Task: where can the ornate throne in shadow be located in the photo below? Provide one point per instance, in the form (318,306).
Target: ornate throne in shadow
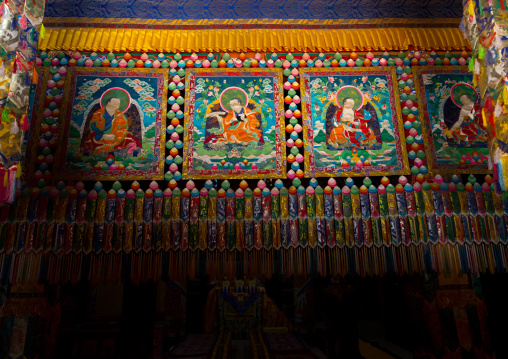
(240,311)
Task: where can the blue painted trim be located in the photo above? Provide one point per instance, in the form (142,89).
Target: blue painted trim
(254,9)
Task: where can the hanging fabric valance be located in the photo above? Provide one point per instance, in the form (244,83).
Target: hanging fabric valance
(106,35)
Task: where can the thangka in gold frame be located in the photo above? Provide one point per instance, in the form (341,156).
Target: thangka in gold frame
(454,135)
(234,124)
(352,122)
(114,124)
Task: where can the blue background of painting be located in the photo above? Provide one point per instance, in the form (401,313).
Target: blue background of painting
(116,82)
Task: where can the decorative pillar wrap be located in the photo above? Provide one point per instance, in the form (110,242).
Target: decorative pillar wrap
(20,25)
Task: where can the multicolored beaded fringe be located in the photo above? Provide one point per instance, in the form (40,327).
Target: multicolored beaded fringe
(64,220)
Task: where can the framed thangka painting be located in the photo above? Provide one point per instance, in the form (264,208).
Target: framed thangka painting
(454,134)
(352,123)
(234,124)
(115,121)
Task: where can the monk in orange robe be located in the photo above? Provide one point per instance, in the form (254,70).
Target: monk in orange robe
(109,130)
(241,125)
